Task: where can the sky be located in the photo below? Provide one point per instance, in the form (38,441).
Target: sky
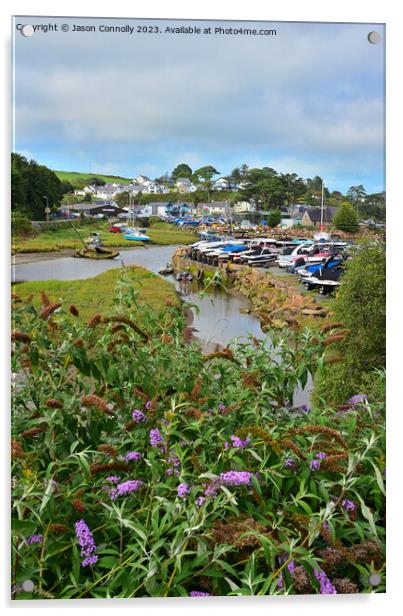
(309,100)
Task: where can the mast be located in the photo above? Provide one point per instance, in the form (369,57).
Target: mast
(321,208)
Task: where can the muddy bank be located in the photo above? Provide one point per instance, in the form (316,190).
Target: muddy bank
(276,302)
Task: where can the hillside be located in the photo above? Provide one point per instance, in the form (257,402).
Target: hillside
(78,180)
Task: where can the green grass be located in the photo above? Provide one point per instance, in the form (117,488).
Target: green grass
(65,237)
(96,294)
(79,180)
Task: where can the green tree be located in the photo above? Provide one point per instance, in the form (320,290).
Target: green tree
(205,175)
(265,187)
(33,186)
(274,218)
(181,171)
(345,218)
(356,194)
(360,305)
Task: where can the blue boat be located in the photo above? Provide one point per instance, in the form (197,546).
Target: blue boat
(136,235)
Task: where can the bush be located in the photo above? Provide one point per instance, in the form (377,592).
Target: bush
(274,218)
(189,472)
(20,224)
(345,219)
(360,305)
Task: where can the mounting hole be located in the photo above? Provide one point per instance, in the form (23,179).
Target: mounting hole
(27,30)
(374,37)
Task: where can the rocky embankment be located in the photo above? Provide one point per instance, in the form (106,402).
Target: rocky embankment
(276,301)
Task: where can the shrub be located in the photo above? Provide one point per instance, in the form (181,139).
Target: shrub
(345,218)
(274,218)
(20,224)
(143,468)
(360,305)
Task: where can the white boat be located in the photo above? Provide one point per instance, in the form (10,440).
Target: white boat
(136,234)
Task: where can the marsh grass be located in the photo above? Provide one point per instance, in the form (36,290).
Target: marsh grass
(64,237)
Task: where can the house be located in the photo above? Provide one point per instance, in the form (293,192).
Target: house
(156,208)
(219,209)
(244,207)
(87,190)
(312,216)
(142,180)
(221,184)
(106,207)
(184,185)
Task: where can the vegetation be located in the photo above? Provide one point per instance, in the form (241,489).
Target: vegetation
(90,293)
(20,224)
(346,219)
(79,180)
(64,237)
(143,468)
(34,187)
(274,218)
(360,305)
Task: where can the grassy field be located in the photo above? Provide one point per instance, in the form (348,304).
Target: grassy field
(95,294)
(78,180)
(66,238)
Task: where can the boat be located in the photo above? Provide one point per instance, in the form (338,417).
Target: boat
(166,271)
(94,249)
(135,234)
(99,252)
(184,276)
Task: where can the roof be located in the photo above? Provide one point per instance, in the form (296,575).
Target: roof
(328,213)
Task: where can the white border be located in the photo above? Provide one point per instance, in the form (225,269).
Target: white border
(388,12)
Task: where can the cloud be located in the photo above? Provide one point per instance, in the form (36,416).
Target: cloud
(314,92)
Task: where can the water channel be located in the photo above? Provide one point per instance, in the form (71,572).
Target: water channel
(219,317)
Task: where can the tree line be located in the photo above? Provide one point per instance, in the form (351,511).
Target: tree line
(33,187)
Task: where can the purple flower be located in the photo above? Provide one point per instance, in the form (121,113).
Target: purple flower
(236,478)
(200,501)
(156,438)
(238,442)
(357,399)
(126,488)
(173,461)
(348,505)
(89,561)
(314,465)
(138,416)
(221,407)
(326,587)
(34,539)
(113,479)
(199,593)
(290,463)
(325,525)
(291,567)
(87,543)
(133,456)
(212,488)
(183,490)
(304,409)
(321,455)
(148,405)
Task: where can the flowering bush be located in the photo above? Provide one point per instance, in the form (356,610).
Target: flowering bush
(213,485)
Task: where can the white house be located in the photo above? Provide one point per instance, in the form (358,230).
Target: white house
(184,185)
(244,207)
(221,184)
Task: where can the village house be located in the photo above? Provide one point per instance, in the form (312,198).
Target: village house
(220,209)
(184,185)
(243,207)
(221,184)
(103,207)
(312,216)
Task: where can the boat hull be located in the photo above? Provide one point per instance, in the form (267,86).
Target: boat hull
(100,253)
